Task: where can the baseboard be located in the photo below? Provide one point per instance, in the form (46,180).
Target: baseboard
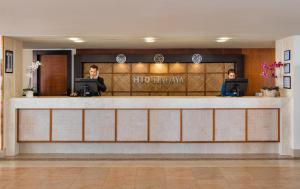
(296,153)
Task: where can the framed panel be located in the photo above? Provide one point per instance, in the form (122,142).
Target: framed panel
(165,125)
(34,125)
(263,125)
(132,125)
(230,125)
(67,125)
(99,125)
(197,125)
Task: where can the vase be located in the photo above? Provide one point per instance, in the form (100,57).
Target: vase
(269,93)
(29,94)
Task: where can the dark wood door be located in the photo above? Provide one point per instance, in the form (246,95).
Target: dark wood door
(53,77)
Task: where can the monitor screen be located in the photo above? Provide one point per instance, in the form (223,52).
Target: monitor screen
(236,87)
(86,87)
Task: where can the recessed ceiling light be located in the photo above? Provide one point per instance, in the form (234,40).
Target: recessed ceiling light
(149,39)
(78,41)
(74,38)
(222,39)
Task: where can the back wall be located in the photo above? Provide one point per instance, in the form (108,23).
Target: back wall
(253,58)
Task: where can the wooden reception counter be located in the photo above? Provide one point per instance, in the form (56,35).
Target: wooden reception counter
(144,125)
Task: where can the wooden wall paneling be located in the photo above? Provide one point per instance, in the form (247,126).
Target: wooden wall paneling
(253,60)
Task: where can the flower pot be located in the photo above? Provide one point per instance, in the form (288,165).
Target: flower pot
(29,94)
(269,93)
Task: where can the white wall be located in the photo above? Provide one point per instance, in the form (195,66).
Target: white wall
(12,81)
(1,62)
(291,110)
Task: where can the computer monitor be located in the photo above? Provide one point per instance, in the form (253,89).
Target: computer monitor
(86,87)
(236,86)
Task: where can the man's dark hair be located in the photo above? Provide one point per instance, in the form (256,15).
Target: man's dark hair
(231,71)
(94,67)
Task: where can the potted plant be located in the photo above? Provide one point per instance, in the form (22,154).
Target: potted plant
(29,73)
(269,71)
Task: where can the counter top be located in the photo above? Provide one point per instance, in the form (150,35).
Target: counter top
(147,102)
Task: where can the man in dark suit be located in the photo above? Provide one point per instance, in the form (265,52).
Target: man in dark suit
(94,74)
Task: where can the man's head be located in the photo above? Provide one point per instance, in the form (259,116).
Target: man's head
(93,71)
(231,74)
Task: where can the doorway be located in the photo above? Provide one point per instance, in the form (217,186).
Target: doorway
(54,75)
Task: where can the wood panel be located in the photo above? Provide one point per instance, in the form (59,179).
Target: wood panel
(53,75)
(253,60)
(129,79)
(37,55)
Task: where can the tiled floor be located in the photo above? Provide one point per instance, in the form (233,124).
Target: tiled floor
(206,174)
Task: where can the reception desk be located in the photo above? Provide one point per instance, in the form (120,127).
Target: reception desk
(144,125)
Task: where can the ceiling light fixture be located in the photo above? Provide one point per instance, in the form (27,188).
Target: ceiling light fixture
(222,39)
(76,39)
(149,39)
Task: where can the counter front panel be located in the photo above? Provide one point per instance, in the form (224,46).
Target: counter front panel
(148,125)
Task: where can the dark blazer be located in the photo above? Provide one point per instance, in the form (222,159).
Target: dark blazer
(101,85)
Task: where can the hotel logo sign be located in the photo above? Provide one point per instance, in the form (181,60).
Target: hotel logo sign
(162,80)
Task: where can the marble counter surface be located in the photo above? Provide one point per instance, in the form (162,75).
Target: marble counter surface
(147,102)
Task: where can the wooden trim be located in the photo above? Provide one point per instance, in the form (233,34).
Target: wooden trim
(214,126)
(148,125)
(18,125)
(181,129)
(116,125)
(178,142)
(204,79)
(148,108)
(62,141)
(83,125)
(278,124)
(50,125)
(246,124)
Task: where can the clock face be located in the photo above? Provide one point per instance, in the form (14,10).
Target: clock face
(159,58)
(121,58)
(197,58)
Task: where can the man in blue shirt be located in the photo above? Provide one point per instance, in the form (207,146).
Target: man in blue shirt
(231,75)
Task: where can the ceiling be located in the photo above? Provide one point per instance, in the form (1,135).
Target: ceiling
(124,23)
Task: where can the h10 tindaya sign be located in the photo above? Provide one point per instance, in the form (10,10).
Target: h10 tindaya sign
(167,80)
